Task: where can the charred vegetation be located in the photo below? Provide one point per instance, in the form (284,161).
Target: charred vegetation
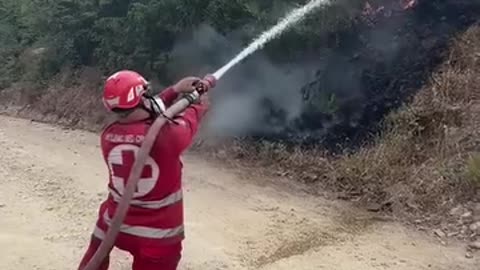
(371,69)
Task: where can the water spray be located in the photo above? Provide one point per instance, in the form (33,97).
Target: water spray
(107,244)
(288,21)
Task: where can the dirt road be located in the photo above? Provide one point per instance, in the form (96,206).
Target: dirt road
(52,180)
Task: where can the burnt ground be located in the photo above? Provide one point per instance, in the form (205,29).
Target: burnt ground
(372,69)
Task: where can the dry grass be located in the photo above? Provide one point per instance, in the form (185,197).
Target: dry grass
(425,161)
(420,161)
(72,98)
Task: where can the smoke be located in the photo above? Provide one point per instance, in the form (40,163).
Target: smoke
(244,96)
(305,98)
(336,92)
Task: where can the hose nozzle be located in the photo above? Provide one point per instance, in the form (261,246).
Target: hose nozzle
(211,80)
(202,88)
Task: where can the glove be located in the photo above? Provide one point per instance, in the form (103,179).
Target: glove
(200,87)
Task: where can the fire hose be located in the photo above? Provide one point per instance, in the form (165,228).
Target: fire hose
(108,242)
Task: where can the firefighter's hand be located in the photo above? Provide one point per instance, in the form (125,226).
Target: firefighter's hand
(186,85)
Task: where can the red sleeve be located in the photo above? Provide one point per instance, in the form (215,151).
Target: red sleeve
(168,96)
(187,128)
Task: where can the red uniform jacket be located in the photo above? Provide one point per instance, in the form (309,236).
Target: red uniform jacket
(156,211)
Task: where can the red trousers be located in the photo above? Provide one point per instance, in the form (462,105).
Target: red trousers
(144,258)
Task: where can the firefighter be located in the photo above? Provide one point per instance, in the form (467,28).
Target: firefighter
(153,229)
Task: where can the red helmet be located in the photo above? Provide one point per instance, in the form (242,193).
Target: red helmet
(124,90)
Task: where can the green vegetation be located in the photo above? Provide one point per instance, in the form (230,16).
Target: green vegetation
(473,169)
(136,34)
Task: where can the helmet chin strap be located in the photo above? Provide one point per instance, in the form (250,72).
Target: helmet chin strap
(155,107)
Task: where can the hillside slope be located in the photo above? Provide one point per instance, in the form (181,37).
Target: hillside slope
(424,166)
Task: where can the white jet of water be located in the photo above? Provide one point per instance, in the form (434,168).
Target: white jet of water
(290,19)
